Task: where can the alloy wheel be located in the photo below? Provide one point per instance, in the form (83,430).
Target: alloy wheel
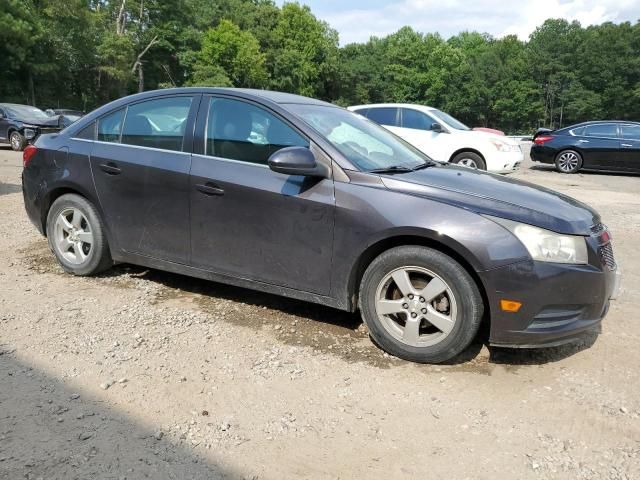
(568,162)
(15,141)
(468,162)
(73,237)
(416,306)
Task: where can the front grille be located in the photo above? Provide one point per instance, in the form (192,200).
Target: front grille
(606,255)
(49,130)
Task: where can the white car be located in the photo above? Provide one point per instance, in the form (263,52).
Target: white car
(444,138)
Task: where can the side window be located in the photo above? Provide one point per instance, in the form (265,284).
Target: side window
(88,132)
(362,111)
(242,131)
(384,116)
(602,130)
(157,123)
(109,127)
(415,119)
(630,132)
(578,132)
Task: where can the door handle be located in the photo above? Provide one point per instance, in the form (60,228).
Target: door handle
(583,141)
(210,189)
(110,168)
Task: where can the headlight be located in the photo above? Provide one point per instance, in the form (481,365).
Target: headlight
(504,146)
(29,133)
(547,246)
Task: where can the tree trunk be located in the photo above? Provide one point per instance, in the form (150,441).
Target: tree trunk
(140,78)
(32,90)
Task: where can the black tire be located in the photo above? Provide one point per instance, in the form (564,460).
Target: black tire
(98,257)
(568,161)
(17,141)
(468,300)
(470,156)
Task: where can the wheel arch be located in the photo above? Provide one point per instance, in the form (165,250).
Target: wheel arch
(467,149)
(63,189)
(407,239)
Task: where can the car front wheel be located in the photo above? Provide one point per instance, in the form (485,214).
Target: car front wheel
(76,236)
(469,159)
(420,305)
(18,142)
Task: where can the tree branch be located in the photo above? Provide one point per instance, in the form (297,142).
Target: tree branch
(138,61)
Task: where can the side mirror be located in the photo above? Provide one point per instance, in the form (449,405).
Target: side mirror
(297,161)
(436,127)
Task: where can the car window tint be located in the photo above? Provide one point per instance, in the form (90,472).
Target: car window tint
(384,116)
(630,132)
(604,130)
(88,132)
(242,131)
(578,132)
(109,127)
(157,123)
(415,119)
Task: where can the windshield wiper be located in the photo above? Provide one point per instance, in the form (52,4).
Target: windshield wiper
(427,164)
(392,169)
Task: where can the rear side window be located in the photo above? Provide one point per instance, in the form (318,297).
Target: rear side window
(362,111)
(242,131)
(578,132)
(602,130)
(415,119)
(630,132)
(384,116)
(109,127)
(157,123)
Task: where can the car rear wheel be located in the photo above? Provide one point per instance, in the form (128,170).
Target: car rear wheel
(470,159)
(420,304)
(76,236)
(18,142)
(568,161)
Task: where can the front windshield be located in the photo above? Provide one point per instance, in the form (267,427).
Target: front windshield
(24,111)
(448,120)
(365,144)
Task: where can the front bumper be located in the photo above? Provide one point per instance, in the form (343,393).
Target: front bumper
(504,162)
(559,302)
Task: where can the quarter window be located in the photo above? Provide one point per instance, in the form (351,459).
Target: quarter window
(157,123)
(416,120)
(602,130)
(242,131)
(630,132)
(384,116)
(109,127)
(88,132)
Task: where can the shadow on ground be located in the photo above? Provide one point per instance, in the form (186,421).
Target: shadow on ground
(49,430)
(7,188)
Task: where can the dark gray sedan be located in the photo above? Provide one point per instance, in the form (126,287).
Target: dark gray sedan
(298,197)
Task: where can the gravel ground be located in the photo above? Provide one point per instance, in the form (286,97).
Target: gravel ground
(144,374)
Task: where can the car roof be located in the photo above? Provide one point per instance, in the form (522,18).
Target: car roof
(598,122)
(414,106)
(15,105)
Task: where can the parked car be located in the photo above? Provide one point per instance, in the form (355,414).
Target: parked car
(444,138)
(603,145)
(297,197)
(22,124)
(71,115)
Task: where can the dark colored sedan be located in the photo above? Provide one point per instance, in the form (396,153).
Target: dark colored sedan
(608,145)
(300,198)
(22,124)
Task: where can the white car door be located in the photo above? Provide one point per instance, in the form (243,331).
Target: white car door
(416,128)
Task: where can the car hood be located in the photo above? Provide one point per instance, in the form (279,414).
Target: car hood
(498,196)
(41,122)
(479,135)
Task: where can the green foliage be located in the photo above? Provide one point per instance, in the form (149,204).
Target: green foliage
(82,53)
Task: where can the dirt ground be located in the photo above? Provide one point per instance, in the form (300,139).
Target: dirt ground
(144,374)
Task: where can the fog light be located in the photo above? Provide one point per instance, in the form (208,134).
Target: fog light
(510,305)
(29,133)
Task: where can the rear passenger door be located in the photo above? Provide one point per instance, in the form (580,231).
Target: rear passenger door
(140,163)
(630,143)
(600,146)
(248,221)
